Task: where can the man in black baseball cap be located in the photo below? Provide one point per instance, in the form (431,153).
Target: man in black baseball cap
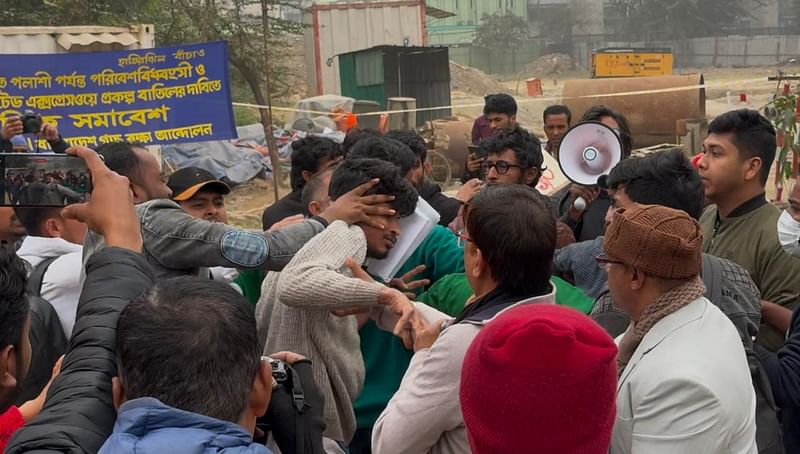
(200,194)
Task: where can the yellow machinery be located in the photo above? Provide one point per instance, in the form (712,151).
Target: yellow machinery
(631,62)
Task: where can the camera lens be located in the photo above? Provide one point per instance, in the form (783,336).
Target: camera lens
(31,123)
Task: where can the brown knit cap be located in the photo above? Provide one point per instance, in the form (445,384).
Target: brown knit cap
(660,241)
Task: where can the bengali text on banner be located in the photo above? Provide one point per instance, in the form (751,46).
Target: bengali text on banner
(153,96)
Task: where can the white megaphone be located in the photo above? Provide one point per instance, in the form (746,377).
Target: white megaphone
(588,151)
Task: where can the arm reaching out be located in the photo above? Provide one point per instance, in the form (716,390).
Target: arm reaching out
(314,278)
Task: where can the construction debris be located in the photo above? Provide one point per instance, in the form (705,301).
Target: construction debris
(550,64)
(467,79)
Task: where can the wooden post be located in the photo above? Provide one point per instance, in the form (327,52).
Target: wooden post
(746,41)
(513,60)
(716,52)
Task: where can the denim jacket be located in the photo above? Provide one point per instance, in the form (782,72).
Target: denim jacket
(175,243)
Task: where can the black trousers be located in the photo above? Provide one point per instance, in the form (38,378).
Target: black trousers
(362,442)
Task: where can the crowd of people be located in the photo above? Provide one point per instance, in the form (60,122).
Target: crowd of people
(33,184)
(658,317)
(56,188)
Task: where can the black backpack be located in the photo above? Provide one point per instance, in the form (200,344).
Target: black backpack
(36,277)
(769,437)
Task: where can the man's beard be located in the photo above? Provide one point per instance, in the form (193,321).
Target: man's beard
(380,255)
(377,255)
(520,180)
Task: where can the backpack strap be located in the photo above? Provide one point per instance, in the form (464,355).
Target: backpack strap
(36,278)
(712,277)
(769,438)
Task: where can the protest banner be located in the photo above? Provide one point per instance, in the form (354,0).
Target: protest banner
(154,96)
(553,179)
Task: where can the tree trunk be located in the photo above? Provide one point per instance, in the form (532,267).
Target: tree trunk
(266,120)
(254,82)
(249,75)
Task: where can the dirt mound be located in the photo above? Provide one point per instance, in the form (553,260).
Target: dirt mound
(467,79)
(550,64)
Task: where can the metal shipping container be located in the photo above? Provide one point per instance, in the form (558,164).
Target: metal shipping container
(384,72)
(631,62)
(338,28)
(62,40)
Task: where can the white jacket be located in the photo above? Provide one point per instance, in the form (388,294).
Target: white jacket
(424,416)
(61,285)
(687,388)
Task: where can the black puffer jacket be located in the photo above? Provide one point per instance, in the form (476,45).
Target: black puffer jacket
(79,413)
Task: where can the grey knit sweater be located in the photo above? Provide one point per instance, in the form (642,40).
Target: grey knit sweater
(295,315)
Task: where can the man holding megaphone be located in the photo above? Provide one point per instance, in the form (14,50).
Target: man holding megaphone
(587,152)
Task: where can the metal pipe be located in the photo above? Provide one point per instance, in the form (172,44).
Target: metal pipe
(652,116)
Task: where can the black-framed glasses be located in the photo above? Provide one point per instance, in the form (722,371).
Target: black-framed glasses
(502,167)
(604,261)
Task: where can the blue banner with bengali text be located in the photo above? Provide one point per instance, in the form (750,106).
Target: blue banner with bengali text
(154,96)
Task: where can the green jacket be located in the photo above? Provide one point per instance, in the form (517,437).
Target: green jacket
(451,292)
(749,238)
(385,358)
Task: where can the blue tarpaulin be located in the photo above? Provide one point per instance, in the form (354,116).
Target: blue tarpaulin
(234,163)
(237,161)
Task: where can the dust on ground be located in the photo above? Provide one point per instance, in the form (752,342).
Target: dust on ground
(469,86)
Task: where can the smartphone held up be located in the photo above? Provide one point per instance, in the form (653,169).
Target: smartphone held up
(45,180)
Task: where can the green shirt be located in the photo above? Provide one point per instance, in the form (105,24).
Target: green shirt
(453,291)
(249,281)
(385,358)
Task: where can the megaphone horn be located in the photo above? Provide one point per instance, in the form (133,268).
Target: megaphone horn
(588,150)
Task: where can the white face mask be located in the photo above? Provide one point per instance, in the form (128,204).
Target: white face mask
(789,233)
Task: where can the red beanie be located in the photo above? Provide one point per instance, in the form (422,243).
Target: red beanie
(540,378)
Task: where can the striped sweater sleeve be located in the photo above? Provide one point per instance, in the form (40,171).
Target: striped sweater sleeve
(316,276)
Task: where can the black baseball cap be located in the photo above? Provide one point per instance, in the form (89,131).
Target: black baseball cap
(187,181)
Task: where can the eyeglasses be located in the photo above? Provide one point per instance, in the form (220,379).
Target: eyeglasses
(501,167)
(462,239)
(603,262)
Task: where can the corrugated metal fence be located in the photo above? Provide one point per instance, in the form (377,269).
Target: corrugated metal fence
(508,62)
(759,50)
